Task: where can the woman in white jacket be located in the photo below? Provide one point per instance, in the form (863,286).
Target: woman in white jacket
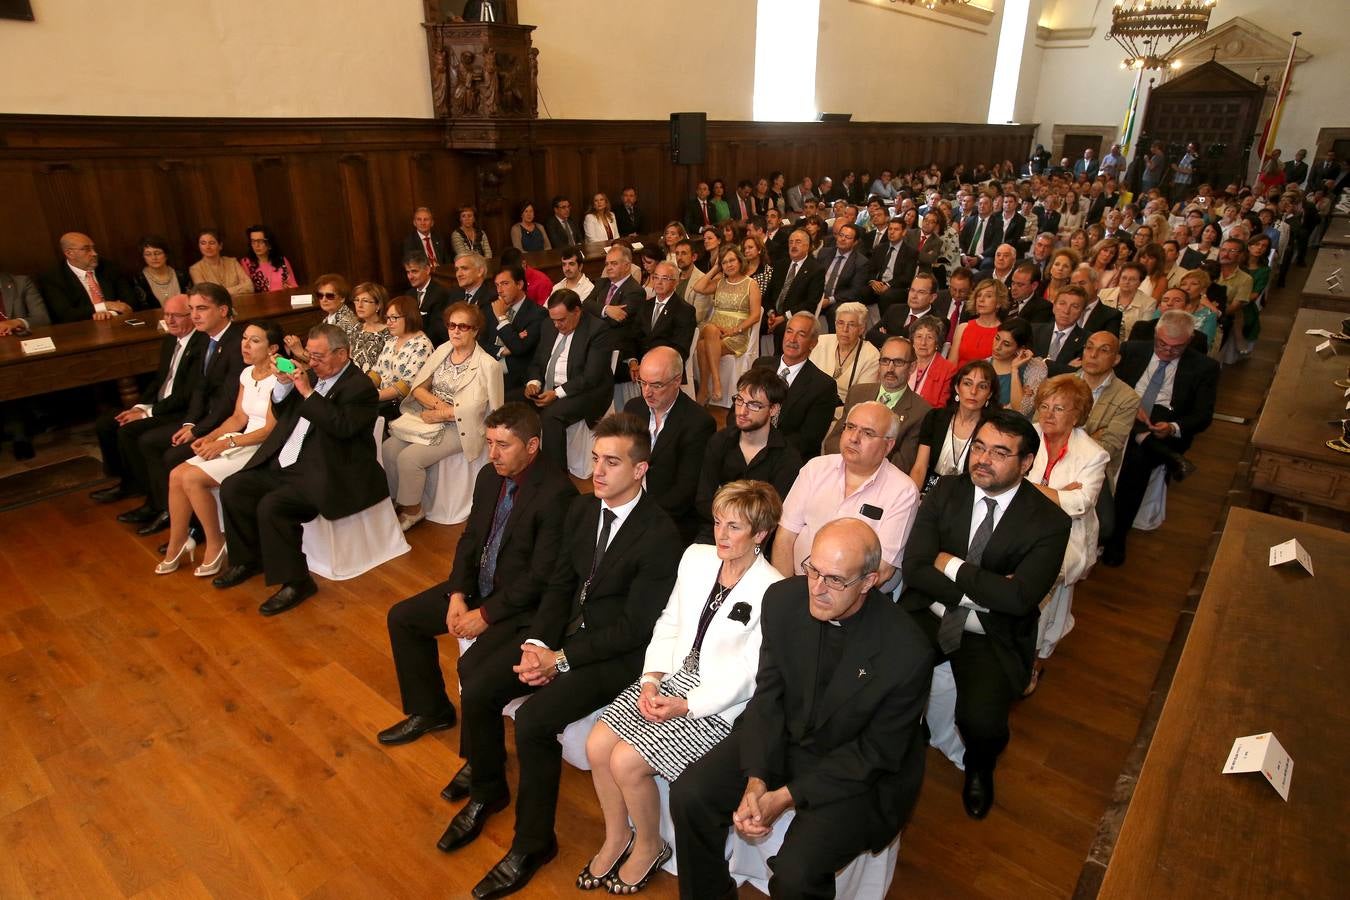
(1069,469)
(699,670)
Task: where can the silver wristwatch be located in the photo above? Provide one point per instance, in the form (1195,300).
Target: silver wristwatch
(562,664)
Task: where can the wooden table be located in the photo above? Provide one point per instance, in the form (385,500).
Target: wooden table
(90,352)
(1317,294)
(1291,458)
(1338,231)
(1266,652)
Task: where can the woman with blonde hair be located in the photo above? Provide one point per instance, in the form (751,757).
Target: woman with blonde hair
(1102,257)
(735,312)
(599,224)
(974,338)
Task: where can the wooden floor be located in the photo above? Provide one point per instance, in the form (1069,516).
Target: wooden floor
(158,738)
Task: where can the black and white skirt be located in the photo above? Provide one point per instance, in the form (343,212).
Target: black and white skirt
(670,746)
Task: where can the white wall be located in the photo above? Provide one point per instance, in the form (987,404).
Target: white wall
(217,58)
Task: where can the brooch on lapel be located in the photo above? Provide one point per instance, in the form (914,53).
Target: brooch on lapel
(740,612)
(862,673)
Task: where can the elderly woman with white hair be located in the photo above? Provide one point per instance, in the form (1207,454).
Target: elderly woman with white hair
(844,355)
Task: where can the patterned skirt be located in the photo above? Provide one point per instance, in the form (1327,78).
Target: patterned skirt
(670,746)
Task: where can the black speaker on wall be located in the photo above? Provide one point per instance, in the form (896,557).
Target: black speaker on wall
(688,138)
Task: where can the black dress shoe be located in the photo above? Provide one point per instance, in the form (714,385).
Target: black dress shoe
(140,515)
(413,727)
(24,450)
(1113,556)
(234,575)
(469,822)
(978,794)
(459,786)
(289,597)
(513,872)
(155,525)
(1179,467)
(113,494)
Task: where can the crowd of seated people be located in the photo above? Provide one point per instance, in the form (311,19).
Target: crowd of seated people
(962,391)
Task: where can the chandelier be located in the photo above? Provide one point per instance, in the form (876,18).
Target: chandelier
(1150,31)
(933,4)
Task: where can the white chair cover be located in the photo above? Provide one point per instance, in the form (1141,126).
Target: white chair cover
(733,367)
(580,440)
(941,717)
(690,366)
(449,492)
(1153,511)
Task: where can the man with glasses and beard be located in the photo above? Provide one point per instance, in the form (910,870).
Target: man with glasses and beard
(892,390)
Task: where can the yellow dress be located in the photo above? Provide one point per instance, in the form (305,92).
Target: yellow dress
(731,304)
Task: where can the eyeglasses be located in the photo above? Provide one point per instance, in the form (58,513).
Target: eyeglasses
(870,434)
(832,582)
(325,295)
(459,326)
(392,318)
(656,385)
(1056,409)
(891,361)
(1002,454)
(752,405)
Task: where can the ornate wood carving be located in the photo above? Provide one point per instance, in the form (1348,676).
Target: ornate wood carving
(483,83)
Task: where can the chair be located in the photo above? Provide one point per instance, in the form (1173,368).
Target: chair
(580,440)
(941,716)
(1153,511)
(732,368)
(690,367)
(448,496)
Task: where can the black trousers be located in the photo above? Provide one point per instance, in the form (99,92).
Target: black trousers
(487,684)
(1136,468)
(18,421)
(142,452)
(984,695)
(414,624)
(265,512)
(120,447)
(820,841)
(554,420)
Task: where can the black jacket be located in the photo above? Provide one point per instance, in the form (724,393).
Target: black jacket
(809,407)
(184,383)
(215,394)
(590,376)
(67,299)
(803,295)
(413,244)
(623,335)
(629,223)
(677,458)
(723,462)
(559,238)
(435,301)
(1194,388)
(145,295)
(520,336)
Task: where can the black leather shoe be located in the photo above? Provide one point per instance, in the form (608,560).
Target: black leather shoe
(459,786)
(513,872)
(140,515)
(234,575)
(154,526)
(1179,467)
(112,494)
(469,822)
(978,794)
(289,597)
(413,727)
(1113,556)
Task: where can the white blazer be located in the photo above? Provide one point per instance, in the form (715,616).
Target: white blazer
(729,658)
(594,229)
(1084,462)
(484,394)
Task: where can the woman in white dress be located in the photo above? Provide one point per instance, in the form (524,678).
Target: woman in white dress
(699,670)
(599,224)
(222,453)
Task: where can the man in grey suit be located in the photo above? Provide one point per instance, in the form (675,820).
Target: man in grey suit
(21,309)
(897,358)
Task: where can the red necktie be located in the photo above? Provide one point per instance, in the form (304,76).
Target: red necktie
(704,205)
(94,290)
(609,232)
(431,254)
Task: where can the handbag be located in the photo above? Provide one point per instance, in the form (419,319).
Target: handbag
(410,427)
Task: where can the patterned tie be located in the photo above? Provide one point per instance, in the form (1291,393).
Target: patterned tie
(95,291)
(609,298)
(487,567)
(609,232)
(1154,387)
(953,622)
(979,235)
(787,283)
(1057,343)
(886,397)
(290,451)
(578,611)
(431,251)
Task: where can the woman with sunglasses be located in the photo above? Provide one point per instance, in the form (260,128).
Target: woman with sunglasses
(331,292)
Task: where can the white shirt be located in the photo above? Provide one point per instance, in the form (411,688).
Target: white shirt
(977,514)
(167,387)
(1164,393)
(651,420)
(560,367)
(792,371)
(583,287)
(80,275)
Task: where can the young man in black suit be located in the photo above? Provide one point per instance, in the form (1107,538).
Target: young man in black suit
(795,287)
(166,445)
(432,299)
(167,395)
(319,460)
(812,395)
(680,430)
(83,287)
(425,239)
(1060,341)
(981,234)
(665,320)
(985,549)
(921,299)
(698,212)
(571,377)
(613,576)
(616,301)
(834,730)
(1177,386)
(514,326)
(502,564)
(1024,294)
(561,230)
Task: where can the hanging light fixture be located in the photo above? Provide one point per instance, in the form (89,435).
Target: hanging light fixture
(1150,31)
(933,4)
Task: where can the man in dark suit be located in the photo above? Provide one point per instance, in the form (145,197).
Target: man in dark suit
(471,283)
(981,234)
(571,377)
(166,396)
(834,730)
(698,212)
(432,299)
(776,237)
(514,325)
(897,358)
(812,395)
(21,309)
(1296,170)
(1176,386)
(680,431)
(614,573)
(1096,316)
(795,287)
(426,240)
(1172,298)
(82,287)
(169,442)
(845,273)
(319,460)
(665,320)
(985,549)
(561,230)
(502,564)
(922,299)
(1060,342)
(1024,294)
(627,215)
(896,261)
(739,203)
(1012,225)
(617,301)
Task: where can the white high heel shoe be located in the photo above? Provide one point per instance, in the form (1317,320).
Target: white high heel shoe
(207,569)
(171,565)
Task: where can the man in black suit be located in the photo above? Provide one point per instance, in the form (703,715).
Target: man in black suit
(795,287)
(834,730)
(514,326)
(922,299)
(471,282)
(614,573)
(739,203)
(680,431)
(571,377)
(167,396)
(165,445)
(1024,294)
(989,543)
(319,460)
(775,237)
(1060,342)
(981,234)
(627,215)
(561,230)
(82,287)
(432,299)
(502,564)
(845,273)
(617,300)
(1012,225)
(1176,386)
(1096,316)
(698,212)
(425,239)
(812,395)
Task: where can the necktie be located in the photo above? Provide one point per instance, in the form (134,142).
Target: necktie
(95,292)
(290,451)
(887,398)
(549,381)
(954,619)
(487,567)
(431,251)
(167,387)
(609,298)
(609,232)
(913,317)
(656,311)
(1154,386)
(784,373)
(787,283)
(922,239)
(210,355)
(703,205)
(887,270)
(979,236)
(1057,343)
(833,274)
(578,613)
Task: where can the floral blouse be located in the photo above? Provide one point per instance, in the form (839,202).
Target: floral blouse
(401,364)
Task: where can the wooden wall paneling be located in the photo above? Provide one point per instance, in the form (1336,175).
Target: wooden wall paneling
(363,258)
(277,210)
(65,203)
(323,217)
(26,242)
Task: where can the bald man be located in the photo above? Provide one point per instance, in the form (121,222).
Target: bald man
(680,430)
(1114,403)
(832,731)
(82,286)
